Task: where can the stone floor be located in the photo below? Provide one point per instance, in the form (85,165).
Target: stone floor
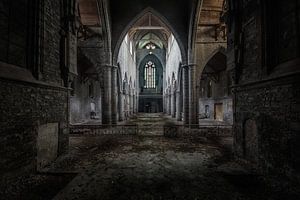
(151,124)
(152,167)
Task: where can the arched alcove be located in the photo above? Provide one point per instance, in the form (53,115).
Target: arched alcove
(151,84)
(215,102)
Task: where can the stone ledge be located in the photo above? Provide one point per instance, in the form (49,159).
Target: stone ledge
(270,82)
(14,73)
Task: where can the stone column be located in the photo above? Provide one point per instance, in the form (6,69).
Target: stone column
(192,96)
(178,106)
(114,95)
(125,105)
(165,104)
(169,103)
(121,106)
(173,104)
(134,103)
(131,104)
(185,79)
(128,105)
(133,96)
(106,102)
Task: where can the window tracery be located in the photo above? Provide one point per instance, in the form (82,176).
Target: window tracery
(149,75)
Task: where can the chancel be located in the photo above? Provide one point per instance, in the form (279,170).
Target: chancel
(150,99)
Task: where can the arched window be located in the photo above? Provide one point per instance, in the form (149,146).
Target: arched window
(149,75)
(209,89)
(91,90)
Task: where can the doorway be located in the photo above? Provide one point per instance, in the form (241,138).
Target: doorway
(218,112)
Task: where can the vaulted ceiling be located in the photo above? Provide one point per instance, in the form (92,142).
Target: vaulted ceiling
(88,11)
(175,13)
(168,16)
(150,29)
(211,12)
(211,20)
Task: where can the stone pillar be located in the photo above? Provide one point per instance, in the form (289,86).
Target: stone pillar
(106,102)
(121,106)
(192,96)
(128,105)
(125,105)
(114,96)
(185,79)
(131,104)
(134,104)
(166,103)
(178,106)
(173,104)
(169,103)
(137,103)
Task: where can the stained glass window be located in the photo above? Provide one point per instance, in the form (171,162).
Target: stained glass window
(149,75)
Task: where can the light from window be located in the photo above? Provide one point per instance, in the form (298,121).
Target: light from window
(150,46)
(149,75)
(209,89)
(130,48)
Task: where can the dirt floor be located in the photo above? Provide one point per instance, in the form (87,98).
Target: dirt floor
(150,167)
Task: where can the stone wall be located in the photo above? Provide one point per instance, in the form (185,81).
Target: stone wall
(206,47)
(51,72)
(197,132)
(29,102)
(174,59)
(24,107)
(274,106)
(47,144)
(210,104)
(127,62)
(266,103)
(80,102)
(128,78)
(219,94)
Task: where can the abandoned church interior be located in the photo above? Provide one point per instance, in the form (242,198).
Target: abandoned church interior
(150,99)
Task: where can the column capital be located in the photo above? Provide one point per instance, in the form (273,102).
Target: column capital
(108,66)
(192,66)
(189,66)
(185,66)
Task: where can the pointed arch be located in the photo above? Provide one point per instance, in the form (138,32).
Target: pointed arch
(135,19)
(219,51)
(194,19)
(103,7)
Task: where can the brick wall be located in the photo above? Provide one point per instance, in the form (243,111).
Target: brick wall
(23,108)
(274,106)
(26,103)
(51,68)
(266,103)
